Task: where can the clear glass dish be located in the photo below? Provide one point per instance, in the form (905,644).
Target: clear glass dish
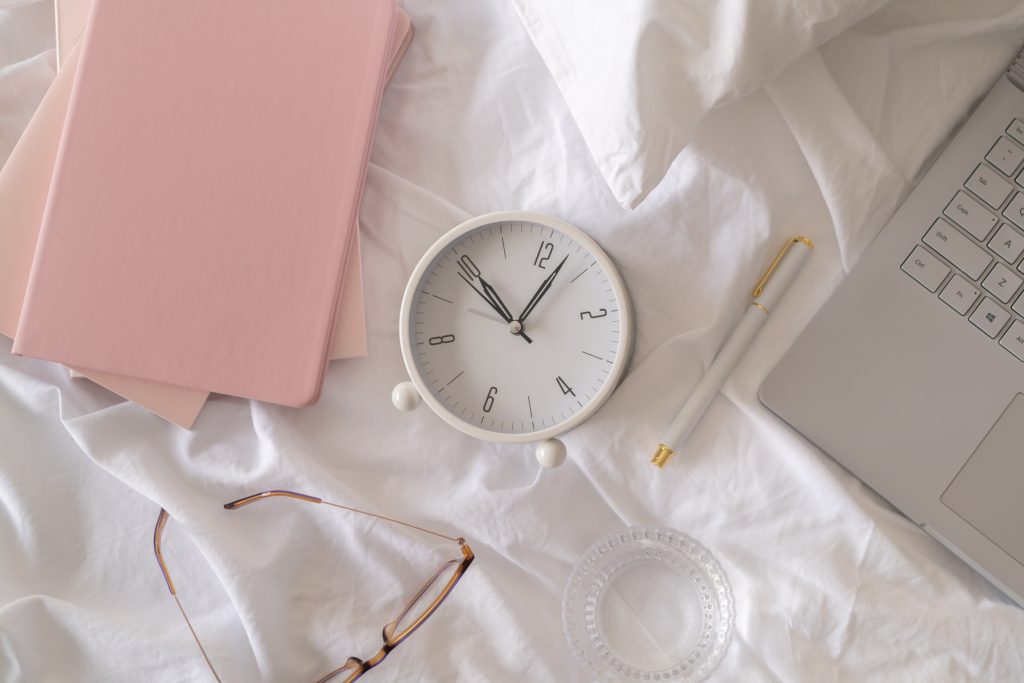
(648,604)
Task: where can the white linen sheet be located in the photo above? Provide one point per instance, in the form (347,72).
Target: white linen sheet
(830,583)
(639,76)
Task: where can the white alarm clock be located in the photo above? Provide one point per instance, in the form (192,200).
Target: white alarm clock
(515,327)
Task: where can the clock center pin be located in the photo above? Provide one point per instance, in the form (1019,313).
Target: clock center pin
(515,327)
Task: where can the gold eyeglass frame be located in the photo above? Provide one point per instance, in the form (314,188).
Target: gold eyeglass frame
(353,666)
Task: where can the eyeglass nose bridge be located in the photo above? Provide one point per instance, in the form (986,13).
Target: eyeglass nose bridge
(353,666)
(384,651)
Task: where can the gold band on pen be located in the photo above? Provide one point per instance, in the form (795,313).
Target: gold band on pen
(662,455)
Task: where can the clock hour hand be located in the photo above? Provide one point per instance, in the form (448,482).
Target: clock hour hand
(485,298)
(541,291)
(496,301)
(498,305)
(515,327)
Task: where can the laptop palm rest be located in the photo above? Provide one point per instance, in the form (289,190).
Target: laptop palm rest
(986,493)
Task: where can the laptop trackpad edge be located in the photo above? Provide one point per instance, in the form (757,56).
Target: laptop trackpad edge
(986,493)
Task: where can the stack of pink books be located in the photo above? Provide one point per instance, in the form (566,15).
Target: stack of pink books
(179,217)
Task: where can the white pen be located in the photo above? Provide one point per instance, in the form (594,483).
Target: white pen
(781,273)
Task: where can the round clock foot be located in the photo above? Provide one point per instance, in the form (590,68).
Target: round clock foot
(550,453)
(405,397)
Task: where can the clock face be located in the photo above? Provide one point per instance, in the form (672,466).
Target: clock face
(515,329)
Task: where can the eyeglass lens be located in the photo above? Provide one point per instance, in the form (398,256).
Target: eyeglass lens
(421,604)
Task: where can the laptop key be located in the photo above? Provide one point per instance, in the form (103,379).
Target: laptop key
(1013,340)
(957,249)
(959,294)
(989,186)
(925,268)
(989,317)
(1016,130)
(1008,243)
(1002,283)
(970,215)
(1015,210)
(1018,306)
(1005,156)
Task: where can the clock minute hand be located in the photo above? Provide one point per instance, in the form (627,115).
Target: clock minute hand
(541,291)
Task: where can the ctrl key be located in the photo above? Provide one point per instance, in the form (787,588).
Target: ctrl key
(925,268)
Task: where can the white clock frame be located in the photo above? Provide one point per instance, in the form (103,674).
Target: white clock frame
(550,451)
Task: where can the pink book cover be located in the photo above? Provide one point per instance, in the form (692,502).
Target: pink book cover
(350,318)
(191,235)
(25,180)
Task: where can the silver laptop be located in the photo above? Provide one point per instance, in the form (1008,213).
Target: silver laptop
(912,374)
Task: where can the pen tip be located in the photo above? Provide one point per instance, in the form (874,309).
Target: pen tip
(662,455)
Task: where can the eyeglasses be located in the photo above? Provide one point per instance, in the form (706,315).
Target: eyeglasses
(420,608)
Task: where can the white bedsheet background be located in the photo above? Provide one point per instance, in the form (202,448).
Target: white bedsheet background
(830,583)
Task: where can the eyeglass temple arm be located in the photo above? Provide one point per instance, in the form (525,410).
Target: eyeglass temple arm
(241,502)
(158,532)
(161,522)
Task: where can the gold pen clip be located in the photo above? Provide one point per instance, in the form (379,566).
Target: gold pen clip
(799,239)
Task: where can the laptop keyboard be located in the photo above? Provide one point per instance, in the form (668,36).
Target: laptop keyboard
(971,256)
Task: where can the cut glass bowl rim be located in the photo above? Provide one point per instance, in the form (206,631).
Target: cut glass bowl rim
(616,551)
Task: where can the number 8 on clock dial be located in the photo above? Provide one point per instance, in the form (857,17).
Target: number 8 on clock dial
(515,327)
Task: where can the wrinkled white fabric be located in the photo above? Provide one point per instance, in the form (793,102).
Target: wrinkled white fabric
(639,76)
(830,583)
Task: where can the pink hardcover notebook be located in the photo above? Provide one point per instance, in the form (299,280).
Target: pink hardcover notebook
(25,180)
(191,233)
